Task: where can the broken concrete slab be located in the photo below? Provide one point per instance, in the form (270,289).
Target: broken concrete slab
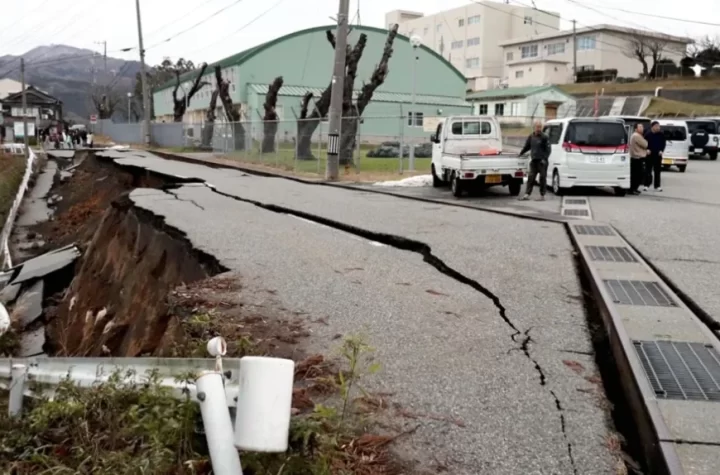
(28,307)
(45,264)
(9,293)
(31,343)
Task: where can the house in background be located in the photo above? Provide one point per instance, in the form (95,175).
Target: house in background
(468,36)
(547,58)
(42,110)
(521,105)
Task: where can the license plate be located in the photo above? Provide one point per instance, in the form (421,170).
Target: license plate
(493,178)
(667,161)
(699,150)
(597,159)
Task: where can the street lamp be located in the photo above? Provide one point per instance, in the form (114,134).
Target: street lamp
(415,41)
(129,94)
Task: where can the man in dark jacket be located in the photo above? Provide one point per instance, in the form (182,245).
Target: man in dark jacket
(653,163)
(538,144)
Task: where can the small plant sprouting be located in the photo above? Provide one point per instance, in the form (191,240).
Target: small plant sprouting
(358,356)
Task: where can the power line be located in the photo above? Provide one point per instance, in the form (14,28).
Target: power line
(236,2)
(31,11)
(651,15)
(182,17)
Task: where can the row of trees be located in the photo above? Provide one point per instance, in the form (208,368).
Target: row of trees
(649,52)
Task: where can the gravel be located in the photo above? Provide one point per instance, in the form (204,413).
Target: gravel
(446,351)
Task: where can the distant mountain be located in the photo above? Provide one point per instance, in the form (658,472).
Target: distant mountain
(67,73)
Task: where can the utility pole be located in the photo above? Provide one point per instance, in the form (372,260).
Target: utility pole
(24,107)
(104,43)
(332,169)
(574,39)
(143,77)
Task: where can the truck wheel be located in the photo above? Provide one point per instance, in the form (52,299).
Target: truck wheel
(556,188)
(456,186)
(713,155)
(682,168)
(437,182)
(515,186)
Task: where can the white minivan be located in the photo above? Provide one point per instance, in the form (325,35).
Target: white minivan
(588,152)
(677,147)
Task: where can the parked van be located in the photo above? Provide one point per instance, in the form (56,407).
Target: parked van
(677,150)
(704,137)
(631,121)
(588,152)
(467,153)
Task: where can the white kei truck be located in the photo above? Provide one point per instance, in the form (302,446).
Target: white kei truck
(467,154)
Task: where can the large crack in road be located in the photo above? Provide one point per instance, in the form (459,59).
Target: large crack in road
(406,244)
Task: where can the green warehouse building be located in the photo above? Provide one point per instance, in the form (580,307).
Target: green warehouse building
(305,60)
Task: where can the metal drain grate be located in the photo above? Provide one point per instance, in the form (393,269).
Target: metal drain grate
(575,201)
(688,371)
(592,230)
(638,292)
(610,253)
(575,212)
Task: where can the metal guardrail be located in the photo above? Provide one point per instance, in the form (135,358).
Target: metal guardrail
(14,149)
(262,409)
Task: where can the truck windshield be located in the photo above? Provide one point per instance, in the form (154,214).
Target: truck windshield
(706,126)
(674,132)
(596,134)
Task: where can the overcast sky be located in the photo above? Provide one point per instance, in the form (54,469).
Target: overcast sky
(245,23)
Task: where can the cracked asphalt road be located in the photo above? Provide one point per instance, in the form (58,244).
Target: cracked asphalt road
(677,230)
(476,317)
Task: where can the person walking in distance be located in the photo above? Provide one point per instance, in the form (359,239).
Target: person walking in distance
(638,153)
(538,144)
(653,163)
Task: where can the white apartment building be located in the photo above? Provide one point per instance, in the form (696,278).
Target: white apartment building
(468,36)
(538,60)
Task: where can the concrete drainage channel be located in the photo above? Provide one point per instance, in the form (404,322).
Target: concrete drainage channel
(668,360)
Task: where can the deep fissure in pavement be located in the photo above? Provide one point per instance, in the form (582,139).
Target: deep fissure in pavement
(425,251)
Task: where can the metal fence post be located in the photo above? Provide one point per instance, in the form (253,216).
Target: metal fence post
(17,387)
(218,426)
(320,128)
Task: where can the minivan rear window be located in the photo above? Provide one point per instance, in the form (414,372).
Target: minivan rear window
(709,126)
(596,134)
(674,132)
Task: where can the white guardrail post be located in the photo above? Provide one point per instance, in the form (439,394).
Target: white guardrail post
(261,391)
(14,149)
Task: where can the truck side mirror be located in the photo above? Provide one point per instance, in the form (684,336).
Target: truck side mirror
(434,139)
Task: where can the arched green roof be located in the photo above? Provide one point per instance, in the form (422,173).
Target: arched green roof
(241,57)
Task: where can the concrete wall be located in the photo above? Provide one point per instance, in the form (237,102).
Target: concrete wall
(522,111)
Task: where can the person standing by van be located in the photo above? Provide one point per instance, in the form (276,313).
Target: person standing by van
(538,144)
(653,163)
(638,153)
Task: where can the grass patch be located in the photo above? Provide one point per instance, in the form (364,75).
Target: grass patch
(13,169)
(661,107)
(616,88)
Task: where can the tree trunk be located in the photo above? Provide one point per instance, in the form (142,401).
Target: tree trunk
(270,119)
(180,104)
(348,137)
(305,130)
(232,114)
(209,128)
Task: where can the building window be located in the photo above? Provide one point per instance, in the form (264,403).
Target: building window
(499,109)
(556,48)
(519,74)
(528,20)
(461,22)
(472,62)
(509,56)
(529,51)
(456,44)
(473,41)
(482,110)
(418,119)
(515,109)
(587,67)
(586,42)
(438,27)
(473,20)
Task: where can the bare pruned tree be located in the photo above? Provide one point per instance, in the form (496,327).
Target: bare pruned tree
(353,112)
(270,119)
(181,103)
(309,121)
(641,47)
(105,101)
(232,113)
(210,116)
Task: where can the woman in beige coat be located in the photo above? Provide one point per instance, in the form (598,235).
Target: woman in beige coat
(638,151)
